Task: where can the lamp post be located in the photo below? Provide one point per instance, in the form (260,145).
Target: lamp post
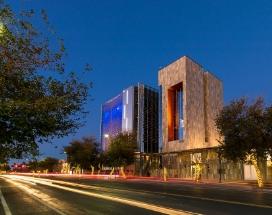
(65,155)
(107,137)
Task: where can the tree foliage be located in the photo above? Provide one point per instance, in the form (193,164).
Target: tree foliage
(39,99)
(246,131)
(49,163)
(82,152)
(4,167)
(121,150)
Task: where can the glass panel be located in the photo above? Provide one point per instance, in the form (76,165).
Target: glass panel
(111,119)
(180,113)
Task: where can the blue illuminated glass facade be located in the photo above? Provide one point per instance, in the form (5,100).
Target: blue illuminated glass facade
(111,123)
(135,111)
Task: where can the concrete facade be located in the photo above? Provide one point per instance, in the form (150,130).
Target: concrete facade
(202,101)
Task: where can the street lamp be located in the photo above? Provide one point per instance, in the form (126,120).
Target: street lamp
(107,137)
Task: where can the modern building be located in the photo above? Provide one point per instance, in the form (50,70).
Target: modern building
(134,110)
(191,97)
(175,126)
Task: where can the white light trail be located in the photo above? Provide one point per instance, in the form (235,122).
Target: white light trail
(143,191)
(44,199)
(126,201)
(4,204)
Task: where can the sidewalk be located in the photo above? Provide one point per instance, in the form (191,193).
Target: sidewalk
(231,184)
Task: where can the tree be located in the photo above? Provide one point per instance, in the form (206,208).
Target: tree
(102,160)
(268,129)
(246,132)
(4,167)
(121,150)
(82,152)
(49,164)
(39,99)
(33,165)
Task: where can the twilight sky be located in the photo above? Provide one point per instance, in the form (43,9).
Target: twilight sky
(127,41)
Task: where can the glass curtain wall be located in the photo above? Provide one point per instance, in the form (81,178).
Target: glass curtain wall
(179,114)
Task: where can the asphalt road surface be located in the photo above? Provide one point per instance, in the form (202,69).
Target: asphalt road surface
(21,195)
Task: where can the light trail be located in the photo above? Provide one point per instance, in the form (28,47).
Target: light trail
(36,180)
(5,205)
(44,199)
(126,201)
(100,176)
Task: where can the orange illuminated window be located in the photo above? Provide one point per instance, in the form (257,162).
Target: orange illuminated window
(175,112)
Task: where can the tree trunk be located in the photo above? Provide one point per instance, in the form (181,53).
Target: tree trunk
(92,169)
(258,171)
(197,172)
(164,174)
(112,171)
(123,172)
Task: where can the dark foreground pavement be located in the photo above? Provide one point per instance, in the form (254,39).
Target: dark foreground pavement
(65,195)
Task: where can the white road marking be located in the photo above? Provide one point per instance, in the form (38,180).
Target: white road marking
(126,201)
(5,205)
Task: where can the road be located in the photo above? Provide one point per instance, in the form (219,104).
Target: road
(21,195)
